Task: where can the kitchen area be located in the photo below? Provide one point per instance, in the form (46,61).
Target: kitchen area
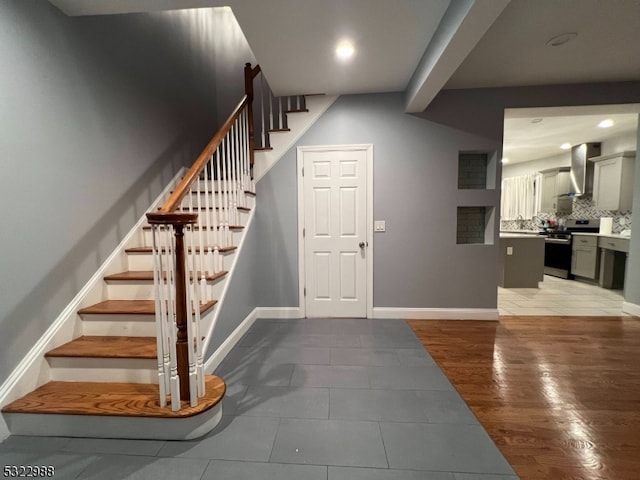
(565,222)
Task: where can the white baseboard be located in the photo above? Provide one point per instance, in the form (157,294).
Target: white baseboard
(27,375)
(223,350)
(437,313)
(631,308)
(278,312)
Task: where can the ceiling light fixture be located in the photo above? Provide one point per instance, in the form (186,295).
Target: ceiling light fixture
(565,146)
(606,123)
(561,39)
(345,50)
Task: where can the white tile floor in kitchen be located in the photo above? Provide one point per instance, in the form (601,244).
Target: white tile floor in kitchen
(557,296)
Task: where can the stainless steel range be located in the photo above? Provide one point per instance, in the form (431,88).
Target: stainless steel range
(558,249)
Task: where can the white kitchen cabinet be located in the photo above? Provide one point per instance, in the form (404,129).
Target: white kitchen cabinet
(584,256)
(613,181)
(555,182)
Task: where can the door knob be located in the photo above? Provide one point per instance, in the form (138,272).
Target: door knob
(361,244)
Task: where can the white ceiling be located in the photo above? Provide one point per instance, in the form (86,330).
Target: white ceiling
(526,139)
(514,52)
(421,46)
(397,42)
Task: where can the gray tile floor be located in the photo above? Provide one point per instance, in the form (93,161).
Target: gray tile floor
(325,399)
(557,296)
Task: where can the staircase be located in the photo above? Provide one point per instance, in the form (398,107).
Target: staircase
(103,360)
(111,368)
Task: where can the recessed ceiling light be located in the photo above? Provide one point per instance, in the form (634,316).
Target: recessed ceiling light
(505,160)
(345,50)
(606,123)
(536,120)
(561,39)
(565,146)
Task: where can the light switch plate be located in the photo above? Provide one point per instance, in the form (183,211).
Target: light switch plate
(380,226)
(509,250)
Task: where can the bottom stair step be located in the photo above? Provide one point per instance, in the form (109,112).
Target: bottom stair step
(111,399)
(112,410)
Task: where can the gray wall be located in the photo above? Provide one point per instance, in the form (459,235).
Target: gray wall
(416,261)
(482,111)
(632,281)
(240,299)
(97,114)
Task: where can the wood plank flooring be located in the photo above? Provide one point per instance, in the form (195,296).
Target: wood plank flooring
(560,396)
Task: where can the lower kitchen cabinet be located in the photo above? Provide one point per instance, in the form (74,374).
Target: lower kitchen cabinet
(584,256)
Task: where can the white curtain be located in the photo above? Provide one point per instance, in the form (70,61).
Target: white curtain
(520,197)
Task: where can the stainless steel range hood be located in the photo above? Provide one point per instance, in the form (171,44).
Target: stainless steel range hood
(581,174)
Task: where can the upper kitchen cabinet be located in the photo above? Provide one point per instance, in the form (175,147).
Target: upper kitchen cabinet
(553,190)
(613,181)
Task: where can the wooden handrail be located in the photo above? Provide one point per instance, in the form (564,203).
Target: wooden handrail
(173,202)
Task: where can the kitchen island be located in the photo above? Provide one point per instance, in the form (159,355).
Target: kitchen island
(522,260)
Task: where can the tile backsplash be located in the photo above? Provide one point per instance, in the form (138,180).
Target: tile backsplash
(582,208)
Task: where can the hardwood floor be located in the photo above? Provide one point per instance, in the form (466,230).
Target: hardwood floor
(560,396)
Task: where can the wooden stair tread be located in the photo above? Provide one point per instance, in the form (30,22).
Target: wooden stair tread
(301,110)
(147,275)
(130,307)
(111,399)
(107,347)
(260,149)
(276,130)
(197,249)
(198,227)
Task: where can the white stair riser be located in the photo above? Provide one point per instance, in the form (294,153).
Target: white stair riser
(114,325)
(93,426)
(80,369)
(144,261)
(243,199)
(144,290)
(236,235)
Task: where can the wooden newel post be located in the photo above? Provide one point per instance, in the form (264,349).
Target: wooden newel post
(179,220)
(182,339)
(249,75)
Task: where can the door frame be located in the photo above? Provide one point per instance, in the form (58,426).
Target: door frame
(368,149)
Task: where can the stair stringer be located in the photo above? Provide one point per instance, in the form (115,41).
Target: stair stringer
(33,370)
(208,322)
(298,123)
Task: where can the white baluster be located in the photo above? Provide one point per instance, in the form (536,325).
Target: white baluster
(205,239)
(218,209)
(225,181)
(232,188)
(281,117)
(196,381)
(160,335)
(262,96)
(172,327)
(191,305)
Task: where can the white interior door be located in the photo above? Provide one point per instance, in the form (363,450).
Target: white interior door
(335,232)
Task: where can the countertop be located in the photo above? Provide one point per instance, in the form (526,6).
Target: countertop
(610,235)
(526,232)
(520,235)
